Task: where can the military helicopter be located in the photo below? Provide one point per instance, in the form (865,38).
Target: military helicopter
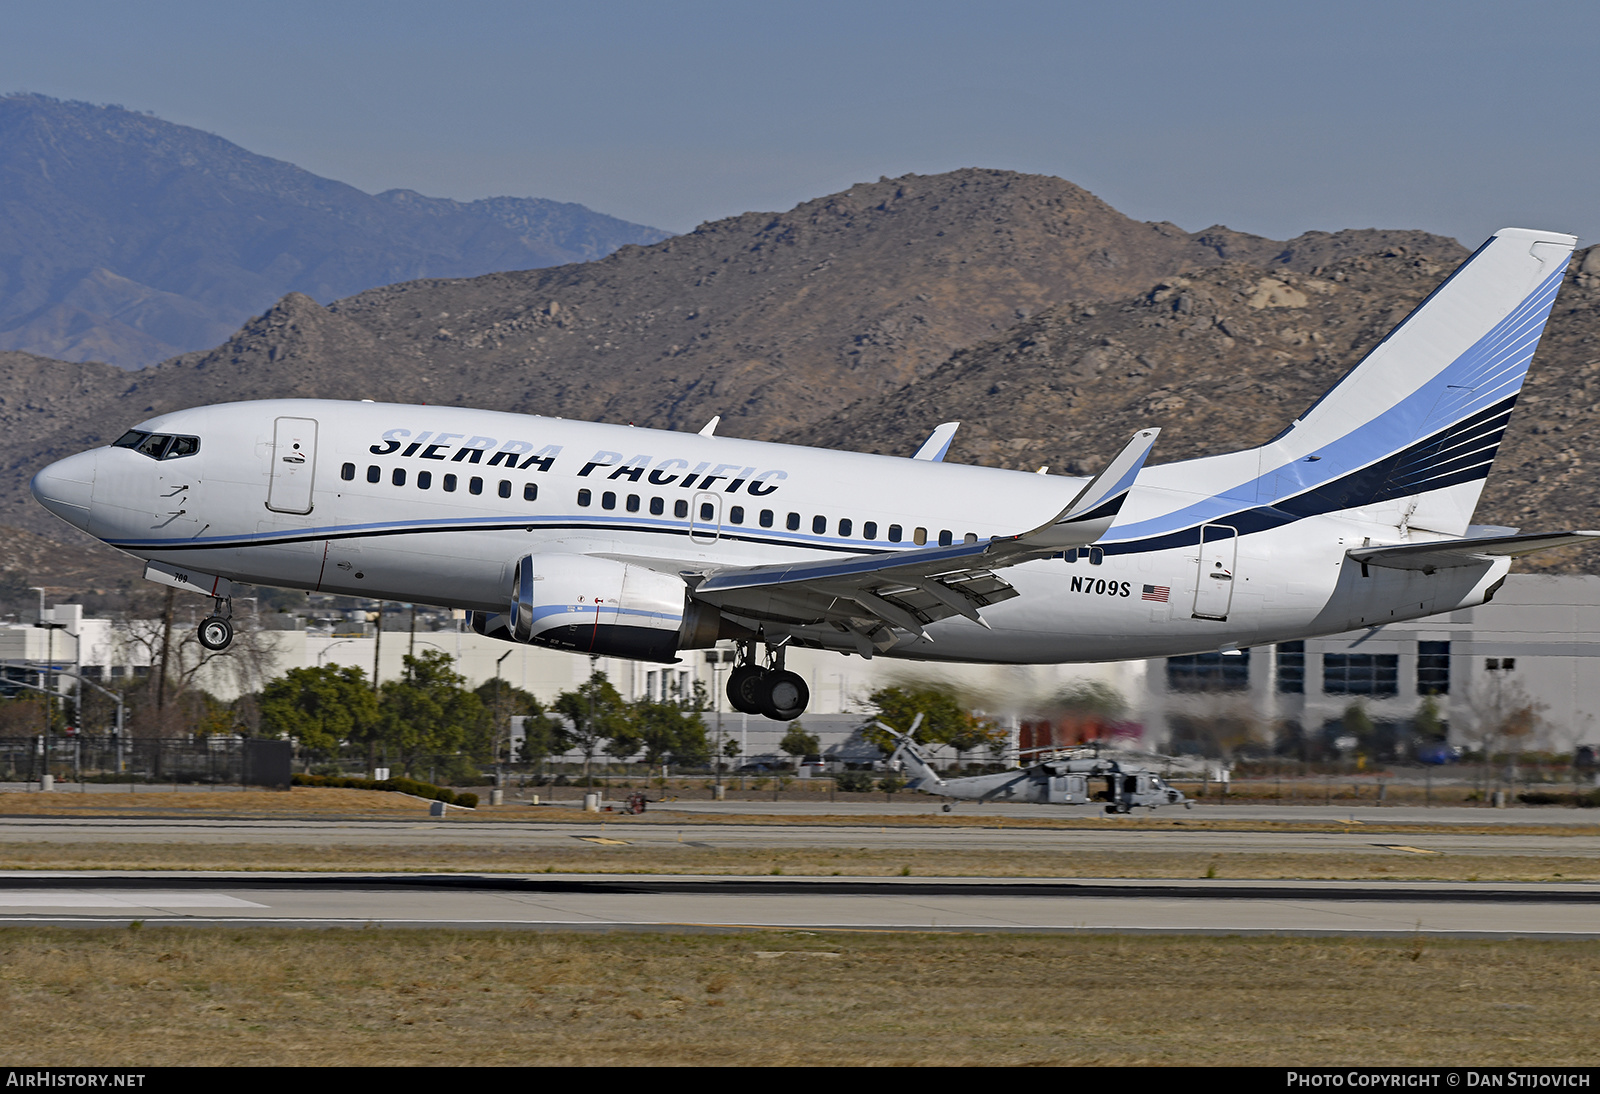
(1053,782)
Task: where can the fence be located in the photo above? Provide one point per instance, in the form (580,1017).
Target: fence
(243,761)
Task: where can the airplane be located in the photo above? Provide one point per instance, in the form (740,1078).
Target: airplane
(1053,782)
(643,543)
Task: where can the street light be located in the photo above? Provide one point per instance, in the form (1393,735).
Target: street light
(50,627)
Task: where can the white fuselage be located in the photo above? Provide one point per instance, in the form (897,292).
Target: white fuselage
(239,508)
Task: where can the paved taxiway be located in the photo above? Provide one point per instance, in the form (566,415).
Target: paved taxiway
(1112,835)
(587,902)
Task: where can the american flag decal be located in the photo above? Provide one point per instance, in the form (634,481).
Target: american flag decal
(1157,593)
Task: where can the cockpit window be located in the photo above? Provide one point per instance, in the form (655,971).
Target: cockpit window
(158,446)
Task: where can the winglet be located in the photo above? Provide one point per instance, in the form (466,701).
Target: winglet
(938,442)
(1097,504)
(710,428)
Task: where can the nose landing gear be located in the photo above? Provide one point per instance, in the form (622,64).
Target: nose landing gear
(769,690)
(216,629)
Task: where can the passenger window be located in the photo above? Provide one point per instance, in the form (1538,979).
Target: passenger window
(708,512)
(505,488)
(845,526)
(870,529)
(530,491)
(399,476)
(584,497)
(894,533)
(449,484)
(475,486)
(657,507)
(680,509)
(766,518)
(633,503)
(424,480)
(736,514)
(348,472)
(919,537)
(1070,556)
(1096,556)
(970,537)
(819,525)
(608,500)
(374,473)
(945,538)
(793,523)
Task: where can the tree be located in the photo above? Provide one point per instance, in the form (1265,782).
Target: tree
(158,630)
(1359,725)
(945,719)
(670,732)
(428,712)
(320,708)
(504,702)
(800,744)
(597,714)
(1507,717)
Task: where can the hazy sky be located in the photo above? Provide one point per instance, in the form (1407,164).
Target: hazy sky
(1274,118)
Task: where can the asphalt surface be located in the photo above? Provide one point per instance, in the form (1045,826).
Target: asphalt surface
(1111,837)
(587,902)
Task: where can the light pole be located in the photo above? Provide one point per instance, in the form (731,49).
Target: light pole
(499,716)
(50,627)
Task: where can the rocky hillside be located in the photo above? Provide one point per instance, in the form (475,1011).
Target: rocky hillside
(1049,323)
(1223,359)
(127,239)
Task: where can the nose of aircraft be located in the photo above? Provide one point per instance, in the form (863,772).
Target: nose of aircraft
(66,486)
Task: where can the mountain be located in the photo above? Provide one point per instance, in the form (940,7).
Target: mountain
(1046,321)
(127,239)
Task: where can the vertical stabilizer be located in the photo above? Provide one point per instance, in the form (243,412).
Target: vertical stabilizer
(1416,424)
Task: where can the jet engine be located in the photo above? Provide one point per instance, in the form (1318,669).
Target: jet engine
(595,605)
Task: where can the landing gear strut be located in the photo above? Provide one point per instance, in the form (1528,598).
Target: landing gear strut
(770,690)
(216,629)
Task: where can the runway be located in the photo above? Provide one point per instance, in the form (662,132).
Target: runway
(803,830)
(635,902)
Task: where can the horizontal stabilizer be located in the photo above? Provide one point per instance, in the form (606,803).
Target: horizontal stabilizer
(1443,554)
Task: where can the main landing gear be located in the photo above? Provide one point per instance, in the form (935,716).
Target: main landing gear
(770,690)
(216,629)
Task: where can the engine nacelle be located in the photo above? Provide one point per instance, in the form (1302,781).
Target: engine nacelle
(595,605)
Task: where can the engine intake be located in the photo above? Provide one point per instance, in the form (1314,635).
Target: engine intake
(598,606)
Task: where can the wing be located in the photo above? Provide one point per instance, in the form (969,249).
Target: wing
(1429,557)
(862,600)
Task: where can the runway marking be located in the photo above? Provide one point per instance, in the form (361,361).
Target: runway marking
(1403,847)
(45,898)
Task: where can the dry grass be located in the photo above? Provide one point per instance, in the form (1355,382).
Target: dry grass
(299,802)
(182,996)
(1378,863)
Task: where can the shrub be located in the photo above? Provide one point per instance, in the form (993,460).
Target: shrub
(854,782)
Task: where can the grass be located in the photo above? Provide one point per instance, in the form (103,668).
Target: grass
(184,996)
(674,858)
